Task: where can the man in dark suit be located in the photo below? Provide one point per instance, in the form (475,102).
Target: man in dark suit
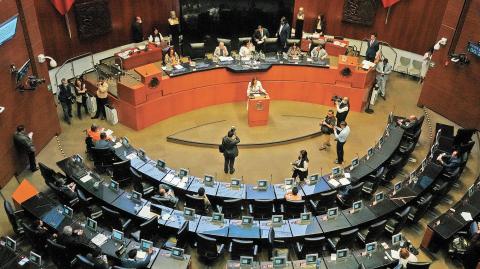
(137,30)
(230,150)
(283,34)
(450,162)
(132,262)
(23,142)
(259,37)
(76,242)
(66,98)
(372,48)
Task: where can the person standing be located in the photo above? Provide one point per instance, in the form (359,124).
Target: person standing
(255,87)
(230,150)
(81,96)
(341,134)
(343,107)
(283,34)
(300,166)
(427,58)
(320,24)
(102,98)
(383,72)
(137,30)
(372,47)
(174,27)
(326,128)
(66,97)
(24,143)
(299,23)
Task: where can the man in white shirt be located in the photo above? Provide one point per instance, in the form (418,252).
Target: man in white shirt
(319,53)
(383,71)
(221,50)
(341,134)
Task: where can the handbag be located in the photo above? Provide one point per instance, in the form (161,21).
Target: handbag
(221,148)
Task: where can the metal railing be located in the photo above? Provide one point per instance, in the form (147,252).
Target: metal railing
(72,66)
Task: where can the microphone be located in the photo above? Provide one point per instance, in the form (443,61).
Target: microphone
(271,177)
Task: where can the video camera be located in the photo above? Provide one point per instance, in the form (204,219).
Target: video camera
(33,81)
(336,98)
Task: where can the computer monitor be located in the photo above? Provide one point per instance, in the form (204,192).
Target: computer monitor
(379,196)
(288,183)
(277,220)
(397,187)
(314,179)
(370,152)
(357,206)
(117,235)
(182,173)
(262,184)
(67,211)
(157,209)
(208,180)
(114,185)
(92,224)
(246,261)
(397,239)
(136,196)
(342,254)
(10,243)
(177,253)
(188,213)
(145,245)
(160,164)
(471,190)
(381,141)
(305,217)
(370,247)
(141,154)
(355,163)
(35,258)
(217,217)
(235,183)
(332,213)
(311,259)
(125,141)
(247,220)
(336,171)
(279,262)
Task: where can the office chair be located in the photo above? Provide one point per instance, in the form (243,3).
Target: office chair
(242,248)
(325,201)
(49,175)
(310,245)
(406,147)
(64,199)
(231,208)
(419,210)
(439,191)
(418,265)
(275,246)
(404,65)
(292,209)
(114,220)
(83,263)
(262,209)
(89,209)
(165,201)
(121,173)
(394,165)
(270,44)
(197,50)
(208,249)
(346,201)
(395,224)
(89,145)
(38,243)
(451,175)
(140,185)
(416,68)
(373,180)
(196,203)
(14,217)
(181,238)
(291,41)
(103,158)
(59,255)
(119,267)
(372,233)
(146,230)
(345,240)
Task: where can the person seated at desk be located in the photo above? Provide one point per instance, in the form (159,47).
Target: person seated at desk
(156,36)
(292,195)
(449,162)
(94,132)
(171,58)
(201,194)
(41,231)
(103,142)
(99,261)
(69,190)
(405,257)
(76,242)
(259,36)
(255,87)
(472,254)
(133,262)
(319,53)
(300,166)
(165,192)
(407,123)
(294,51)
(220,50)
(246,50)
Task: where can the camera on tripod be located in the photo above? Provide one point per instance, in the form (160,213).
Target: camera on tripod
(336,98)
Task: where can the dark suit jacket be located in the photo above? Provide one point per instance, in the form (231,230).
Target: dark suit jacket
(77,244)
(284,34)
(257,35)
(372,49)
(230,146)
(23,142)
(136,264)
(65,94)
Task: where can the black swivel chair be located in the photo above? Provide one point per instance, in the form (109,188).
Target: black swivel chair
(419,210)
(372,233)
(231,208)
(292,209)
(89,145)
(64,198)
(121,173)
(113,219)
(103,158)
(242,248)
(208,249)
(140,185)
(451,175)
(49,175)
(372,182)
(83,263)
(89,209)
(346,201)
(59,255)
(274,245)
(325,201)
(14,217)
(197,50)
(37,242)
(345,240)
(439,191)
(418,265)
(197,203)
(181,238)
(262,209)
(310,245)
(146,230)
(395,224)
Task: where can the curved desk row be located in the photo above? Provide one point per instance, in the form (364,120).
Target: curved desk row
(139,105)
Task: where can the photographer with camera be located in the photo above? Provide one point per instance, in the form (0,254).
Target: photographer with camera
(343,106)
(66,99)
(230,150)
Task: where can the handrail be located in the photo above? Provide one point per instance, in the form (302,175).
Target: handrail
(383,43)
(71,60)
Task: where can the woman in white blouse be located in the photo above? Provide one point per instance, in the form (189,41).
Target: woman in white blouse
(427,58)
(255,87)
(246,50)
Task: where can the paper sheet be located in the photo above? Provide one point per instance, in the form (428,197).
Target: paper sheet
(333,182)
(117,145)
(466,216)
(394,254)
(347,175)
(86,178)
(99,239)
(344,181)
(131,156)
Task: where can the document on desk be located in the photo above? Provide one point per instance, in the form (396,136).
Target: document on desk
(344,181)
(168,178)
(117,145)
(225,58)
(146,213)
(182,183)
(394,254)
(333,182)
(347,175)
(466,216)
(99,240)
(179,67)
(108,132)
(86,178)
(132,156)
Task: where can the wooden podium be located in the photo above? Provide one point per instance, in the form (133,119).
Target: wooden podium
(258,108)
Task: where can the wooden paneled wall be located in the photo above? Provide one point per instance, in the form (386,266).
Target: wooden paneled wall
(453,90)
(35,109)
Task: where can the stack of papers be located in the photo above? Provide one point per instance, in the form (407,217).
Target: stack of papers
(333,182)
(225,58)
(99,239)
(178,66)
(141,254)
(132,156)
(466,216)
(117,145)
(86,178)
(344,181)
(367,64)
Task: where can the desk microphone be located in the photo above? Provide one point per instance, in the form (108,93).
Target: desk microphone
(271,177)
(321,172)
